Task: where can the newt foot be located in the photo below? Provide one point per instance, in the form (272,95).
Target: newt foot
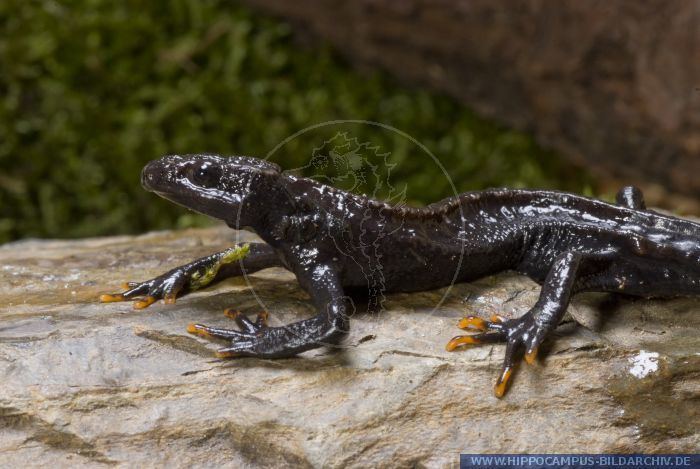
(248,341)
(166,287)
(524,332)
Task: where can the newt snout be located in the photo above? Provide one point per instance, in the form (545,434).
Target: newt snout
(148,176)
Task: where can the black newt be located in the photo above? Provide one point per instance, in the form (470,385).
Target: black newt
(336,242)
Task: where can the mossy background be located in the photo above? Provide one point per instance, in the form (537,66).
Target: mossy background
(91,90)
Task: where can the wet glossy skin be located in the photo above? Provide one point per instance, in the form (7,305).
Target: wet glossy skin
(337,243)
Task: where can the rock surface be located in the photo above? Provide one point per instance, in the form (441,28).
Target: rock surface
(103,384)
(613,85)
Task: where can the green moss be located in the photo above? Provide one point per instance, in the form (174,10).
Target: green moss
(91,90)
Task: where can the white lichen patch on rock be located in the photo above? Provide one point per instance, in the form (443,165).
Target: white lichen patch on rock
(644,363)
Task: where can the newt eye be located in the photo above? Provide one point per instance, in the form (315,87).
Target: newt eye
(205,174)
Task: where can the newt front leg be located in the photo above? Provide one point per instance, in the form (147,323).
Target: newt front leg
(232,262)
(257,339)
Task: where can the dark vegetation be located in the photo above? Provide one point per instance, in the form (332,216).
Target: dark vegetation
(91,90)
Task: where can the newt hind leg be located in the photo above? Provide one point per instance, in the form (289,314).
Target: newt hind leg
(530,330)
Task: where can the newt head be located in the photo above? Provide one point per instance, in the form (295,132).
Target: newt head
(236,189)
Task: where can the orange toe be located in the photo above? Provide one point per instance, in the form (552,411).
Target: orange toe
(108,298)
(196,329)
(145,303)
(531,356)
(472,322)
(461,340)
(231,313)
(262,318)
(502,383)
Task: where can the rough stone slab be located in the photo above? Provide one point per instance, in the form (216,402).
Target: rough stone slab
(100,384)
